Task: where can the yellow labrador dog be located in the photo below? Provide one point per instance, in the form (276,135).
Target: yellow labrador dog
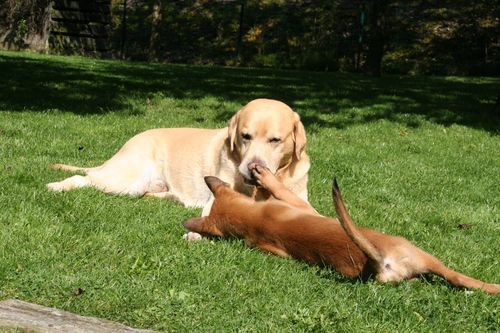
(171,162)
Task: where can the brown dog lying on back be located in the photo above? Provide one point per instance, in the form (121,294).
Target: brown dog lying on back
(290,227)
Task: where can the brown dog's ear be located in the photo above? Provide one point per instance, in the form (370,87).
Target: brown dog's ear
(233,125)
(214,183)
(194,224)
(299,136)
(202,225)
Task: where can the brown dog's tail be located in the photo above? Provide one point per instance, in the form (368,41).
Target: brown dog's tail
(458,279)
(351,230)
(66,167)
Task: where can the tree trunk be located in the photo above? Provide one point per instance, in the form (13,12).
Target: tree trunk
(496,108)
(44,34)
(240,29)
(124,29)
(156,21)
(25,24)
(376,42)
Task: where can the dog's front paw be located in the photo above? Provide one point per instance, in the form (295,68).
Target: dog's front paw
(192,236)
(264,177)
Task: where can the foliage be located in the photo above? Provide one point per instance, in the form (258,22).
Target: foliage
(447,37)
(275,33)
(22,21)
(415,156)
(374,36)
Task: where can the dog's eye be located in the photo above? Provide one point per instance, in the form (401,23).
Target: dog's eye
(246,136)
(274,140)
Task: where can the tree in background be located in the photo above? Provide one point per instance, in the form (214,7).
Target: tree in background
(156,22)
(377,12)
(445,37)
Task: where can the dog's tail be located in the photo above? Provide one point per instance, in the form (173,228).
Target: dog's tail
(431,264)
(351,230)
(66,167)
(457,279)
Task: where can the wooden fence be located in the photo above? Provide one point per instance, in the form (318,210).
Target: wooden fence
(81,26)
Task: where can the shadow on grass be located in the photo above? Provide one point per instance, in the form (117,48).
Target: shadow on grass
(86,86)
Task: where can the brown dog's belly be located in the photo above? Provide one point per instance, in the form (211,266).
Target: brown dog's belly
(341,255)
(318,241)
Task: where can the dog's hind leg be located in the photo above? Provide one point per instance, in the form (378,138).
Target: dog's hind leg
(458,279)
(158,189)
(70,183)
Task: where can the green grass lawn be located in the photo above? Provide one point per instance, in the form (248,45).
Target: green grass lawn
(415,156)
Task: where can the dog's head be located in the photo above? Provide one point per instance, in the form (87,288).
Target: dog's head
(266,132)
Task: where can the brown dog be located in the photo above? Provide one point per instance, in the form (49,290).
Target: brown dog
(289,227)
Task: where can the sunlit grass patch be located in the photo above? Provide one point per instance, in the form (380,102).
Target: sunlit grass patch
(414,156)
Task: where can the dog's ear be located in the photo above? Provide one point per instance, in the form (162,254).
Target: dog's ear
(214,183)
(299,136)
(195,224)
(203,225)
(233,126)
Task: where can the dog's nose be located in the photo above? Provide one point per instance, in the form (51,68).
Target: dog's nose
(254,162)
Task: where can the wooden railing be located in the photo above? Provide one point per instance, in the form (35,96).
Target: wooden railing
(81,26)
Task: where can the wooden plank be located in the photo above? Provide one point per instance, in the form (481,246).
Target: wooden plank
(18,315)
(103,10)
(83,6)
(79,17)
(77,43)
(94,30)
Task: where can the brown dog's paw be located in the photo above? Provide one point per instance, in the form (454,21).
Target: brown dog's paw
(264,177)
(192,236)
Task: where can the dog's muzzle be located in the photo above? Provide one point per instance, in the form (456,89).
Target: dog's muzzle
(250,167)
